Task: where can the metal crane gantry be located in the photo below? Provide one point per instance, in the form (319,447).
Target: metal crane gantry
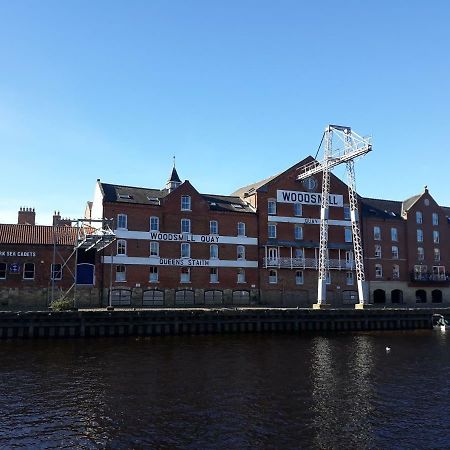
(352,146)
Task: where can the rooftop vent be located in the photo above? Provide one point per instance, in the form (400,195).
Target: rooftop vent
(125,196)
(236,206)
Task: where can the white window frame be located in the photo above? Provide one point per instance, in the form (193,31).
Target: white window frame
(185,226)
(121,275)
(273,227)
(349,278)
(299,277)
(419,235)
(420,254)
(186,203)
(437,255)
(347,212)
(240,252)
(241,229)
(435,219)
(328,278)
(376,233)
(377,251)
(54,270)
(298,232)
(154,274)
(241,276)
(273,276)
(395,253)
(3,271)
(378,271)
(213,227)
(348,234)
(121,249)
(271,206)
(394,234)
(185,250)
(436,237)
(214,275)
(185,275)
(298,209)
(122,222)
(395,272)
(154,248)
(213,251)
(419,217)
(25,270)
(154,223)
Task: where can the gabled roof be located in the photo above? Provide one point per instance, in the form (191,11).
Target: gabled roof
(137,195)
(37,234)
(409,202)
(386,209)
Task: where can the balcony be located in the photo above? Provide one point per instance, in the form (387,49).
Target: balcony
(307,263)
(429,277)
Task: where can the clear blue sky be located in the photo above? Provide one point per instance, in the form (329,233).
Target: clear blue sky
(238,90)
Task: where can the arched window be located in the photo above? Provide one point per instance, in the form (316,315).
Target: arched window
(184,297)
(379,296)
(436,296)
(153,297)
(273,276)
(397,296)
(214,297)
(120,297)
(421,296)
(241,297)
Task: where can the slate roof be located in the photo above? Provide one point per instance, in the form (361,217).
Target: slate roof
(386,209)
(36,234)
(174,176)
(145,196)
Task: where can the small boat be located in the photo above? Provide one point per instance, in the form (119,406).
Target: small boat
(439,323)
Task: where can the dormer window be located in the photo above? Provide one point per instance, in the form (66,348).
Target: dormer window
(185,203)
(125,196)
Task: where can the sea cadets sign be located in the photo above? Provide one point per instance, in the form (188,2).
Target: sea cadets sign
(308,198)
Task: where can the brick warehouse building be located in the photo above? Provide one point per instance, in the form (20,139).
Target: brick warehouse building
(36,264)
(178,247)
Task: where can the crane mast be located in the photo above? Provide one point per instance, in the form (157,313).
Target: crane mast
(353,146)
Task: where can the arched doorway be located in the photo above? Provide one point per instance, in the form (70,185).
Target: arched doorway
(379,296)
(436,296)
(397,296)
(421,296)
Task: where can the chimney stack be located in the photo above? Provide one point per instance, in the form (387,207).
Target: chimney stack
(26,216)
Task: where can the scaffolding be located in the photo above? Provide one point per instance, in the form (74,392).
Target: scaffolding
(90,234)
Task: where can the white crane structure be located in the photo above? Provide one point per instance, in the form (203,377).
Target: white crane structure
(341,145)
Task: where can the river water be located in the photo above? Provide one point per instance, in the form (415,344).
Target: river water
(228,392)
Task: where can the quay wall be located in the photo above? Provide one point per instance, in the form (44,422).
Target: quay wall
(168,322)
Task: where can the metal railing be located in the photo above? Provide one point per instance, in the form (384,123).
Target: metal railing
(307,263)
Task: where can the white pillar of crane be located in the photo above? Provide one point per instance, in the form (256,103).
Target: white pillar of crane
(353,147)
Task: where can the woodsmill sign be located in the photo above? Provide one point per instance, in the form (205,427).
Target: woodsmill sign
(308,198)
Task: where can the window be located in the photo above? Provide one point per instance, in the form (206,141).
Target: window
(348,234)
(28,271)
(272,230)
(185,226)
(395,272)
(241,276)
(435,219)
(436,237)
(185,275)
(213,227)
(299,277)
(349,258)
(419,235)
(377,233)
(420,272)
(213,251)
(240,252)
(241,229)
(185,250)
(154,248)
(121,247)
(56,271)
(154,223)
(214,275)
(378,271)
(299,253)
(347,215)
(394,252)
(328,278)
(122,221)
(377,251)
(121,274)
(438,273)
(420,254)
(437,254)
(419,217)
(153,274)
(273,277)
(298,211)
(349,279)
(185,203)
(394,234)
(298,232)
(271,206)
(2,271)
